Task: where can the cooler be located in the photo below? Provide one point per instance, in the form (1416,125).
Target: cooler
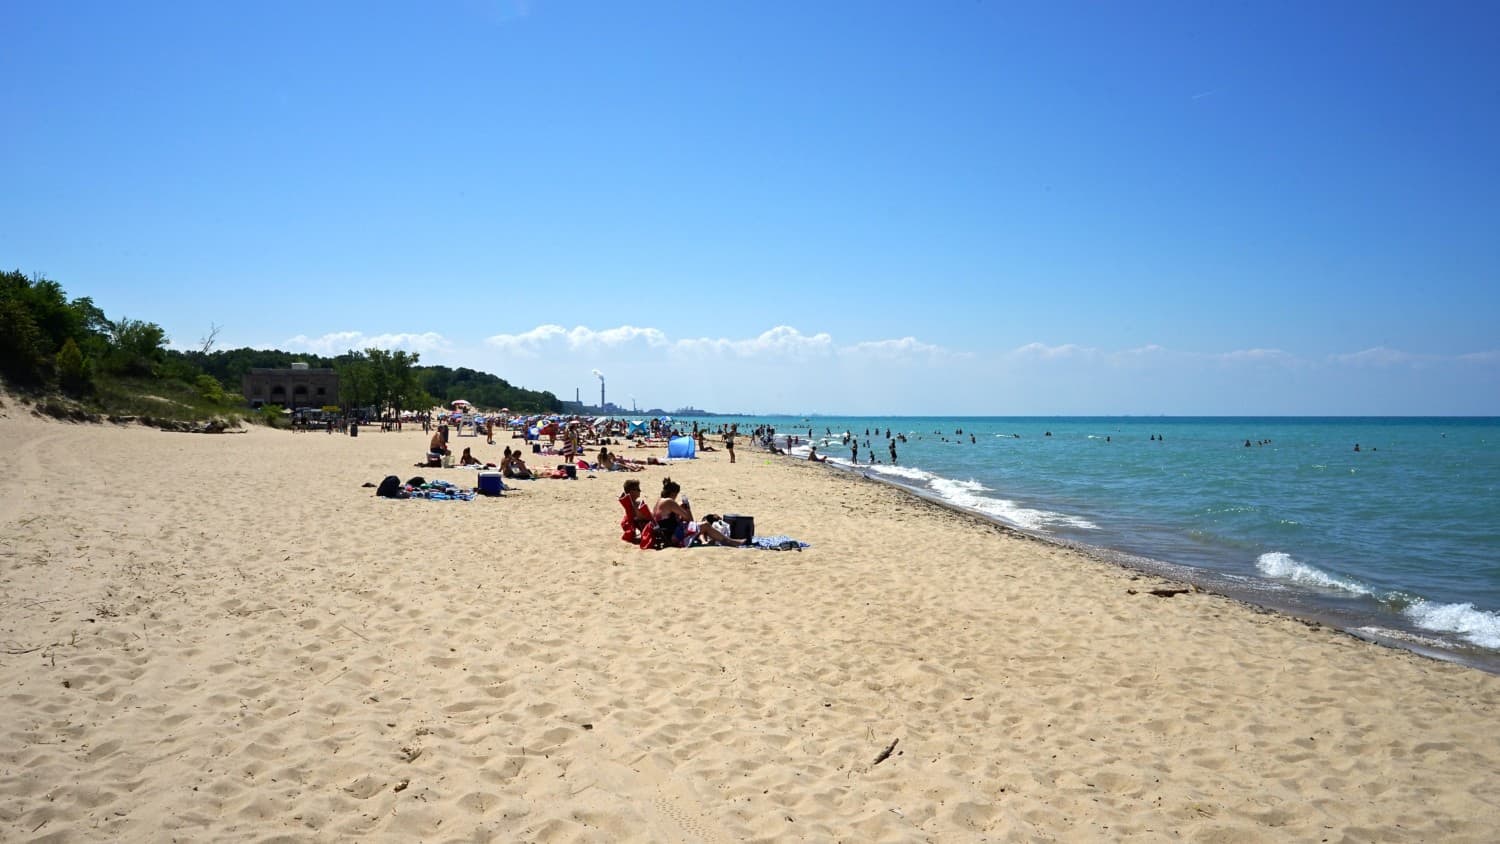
(490,483)
(740,527)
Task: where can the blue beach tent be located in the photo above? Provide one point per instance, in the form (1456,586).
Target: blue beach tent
(682,448)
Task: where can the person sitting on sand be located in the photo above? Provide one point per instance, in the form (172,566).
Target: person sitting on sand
(812,454)
(638,515)
(439,443)
(675,520)
(512,466)
(467,459)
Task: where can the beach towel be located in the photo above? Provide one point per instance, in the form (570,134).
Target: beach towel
(779,542)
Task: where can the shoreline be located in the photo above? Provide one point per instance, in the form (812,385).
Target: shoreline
(1208,580)
(230,637)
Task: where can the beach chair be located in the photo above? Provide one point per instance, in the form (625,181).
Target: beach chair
(636,520)
(638,528)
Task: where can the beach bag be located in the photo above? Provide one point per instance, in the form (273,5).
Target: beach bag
(390,488)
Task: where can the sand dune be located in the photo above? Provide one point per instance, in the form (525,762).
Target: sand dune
(228,638)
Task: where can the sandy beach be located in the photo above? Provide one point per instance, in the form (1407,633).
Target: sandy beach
(229,638)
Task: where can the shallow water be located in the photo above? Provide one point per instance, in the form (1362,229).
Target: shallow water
(1399,541)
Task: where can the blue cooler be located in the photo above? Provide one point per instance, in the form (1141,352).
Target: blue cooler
(490,483)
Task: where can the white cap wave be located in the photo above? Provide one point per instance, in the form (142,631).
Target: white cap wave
(1474,625)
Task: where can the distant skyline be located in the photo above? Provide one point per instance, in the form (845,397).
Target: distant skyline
(838,208)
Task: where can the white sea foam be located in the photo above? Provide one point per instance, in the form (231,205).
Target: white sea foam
(969,494)
(1283,567)
(1472,624)
(906,472)
(1403,636)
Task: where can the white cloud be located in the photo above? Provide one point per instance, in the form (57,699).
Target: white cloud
(906,347)
(338,342)
(530,343)
(1045,352)
(780,342)
(1148,349)
(1256,356)
(582,338)
(783,341)
(1383,356)
(1377,356)
(526,344)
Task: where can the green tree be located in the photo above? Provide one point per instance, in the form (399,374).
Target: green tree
(393,382)
(354,381)
(210,388)
(36,320)
(273,416)
(23,347)
(135,347)
(72,367)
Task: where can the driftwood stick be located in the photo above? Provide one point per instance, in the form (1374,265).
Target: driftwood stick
(885,754)
(355,632)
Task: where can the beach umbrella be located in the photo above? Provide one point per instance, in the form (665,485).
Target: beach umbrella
(457,402)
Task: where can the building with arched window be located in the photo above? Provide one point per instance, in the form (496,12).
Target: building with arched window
(297,387)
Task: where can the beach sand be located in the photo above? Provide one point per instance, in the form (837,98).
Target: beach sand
(228,638)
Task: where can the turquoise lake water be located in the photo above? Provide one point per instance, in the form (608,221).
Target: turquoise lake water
(1398,542)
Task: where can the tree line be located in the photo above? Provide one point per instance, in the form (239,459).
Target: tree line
(51,343)
(49,340)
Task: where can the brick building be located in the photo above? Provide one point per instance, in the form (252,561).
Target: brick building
(291,388)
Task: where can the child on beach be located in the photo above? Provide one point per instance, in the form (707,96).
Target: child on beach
(468,459)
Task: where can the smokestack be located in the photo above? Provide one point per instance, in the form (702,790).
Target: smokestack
(600,376)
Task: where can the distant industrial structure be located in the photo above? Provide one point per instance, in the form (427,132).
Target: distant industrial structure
(296,387)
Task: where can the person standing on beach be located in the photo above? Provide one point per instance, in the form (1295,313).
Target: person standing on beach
(729,440)
(854,452)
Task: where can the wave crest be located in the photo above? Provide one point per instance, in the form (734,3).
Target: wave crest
(1467,621)
(1282,566)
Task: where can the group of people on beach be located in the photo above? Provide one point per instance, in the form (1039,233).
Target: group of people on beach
(670,523)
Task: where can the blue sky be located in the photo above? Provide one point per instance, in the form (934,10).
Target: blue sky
(876,207)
